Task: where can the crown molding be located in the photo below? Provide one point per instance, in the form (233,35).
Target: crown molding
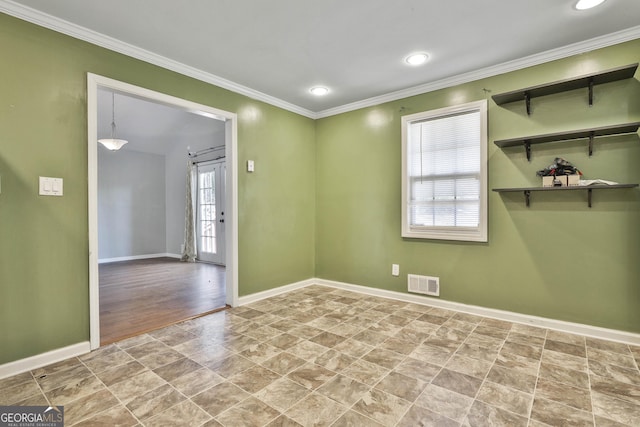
(45,20)
(76,31)
(494,70)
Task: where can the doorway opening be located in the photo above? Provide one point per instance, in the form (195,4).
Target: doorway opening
(224,234)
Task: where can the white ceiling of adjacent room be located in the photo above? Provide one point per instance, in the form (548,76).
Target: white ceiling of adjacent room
(151,127)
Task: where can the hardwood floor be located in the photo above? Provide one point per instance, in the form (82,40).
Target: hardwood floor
(143,295)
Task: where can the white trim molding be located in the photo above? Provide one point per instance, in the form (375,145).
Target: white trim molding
(43,359)
(494,70)
(76,31)
(467,116)
(136,257)
(94,82)
(82,33)
(248,299)
(509,316)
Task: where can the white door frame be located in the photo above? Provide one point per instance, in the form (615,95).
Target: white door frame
(94,82)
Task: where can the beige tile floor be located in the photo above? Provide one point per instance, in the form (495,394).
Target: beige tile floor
(326,357)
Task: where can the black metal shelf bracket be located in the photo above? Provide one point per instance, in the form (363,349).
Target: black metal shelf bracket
(528,190)
(527,197)
(585,81)
(584,134)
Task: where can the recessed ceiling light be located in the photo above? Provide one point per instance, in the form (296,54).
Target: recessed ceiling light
(319,90)
(588,4)
(417,58)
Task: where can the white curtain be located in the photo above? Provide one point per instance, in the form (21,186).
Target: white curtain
(190,245)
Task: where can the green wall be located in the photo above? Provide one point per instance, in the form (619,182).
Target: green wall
(325,198)
(44,299)
(556,259)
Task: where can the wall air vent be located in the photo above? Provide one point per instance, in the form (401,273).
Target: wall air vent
(424,285)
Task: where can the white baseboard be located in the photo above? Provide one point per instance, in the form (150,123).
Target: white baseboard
(43,359)
(248,299)
(134,257)
(509,316)
(541,322)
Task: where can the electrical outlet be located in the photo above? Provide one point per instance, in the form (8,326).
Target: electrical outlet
(395,269)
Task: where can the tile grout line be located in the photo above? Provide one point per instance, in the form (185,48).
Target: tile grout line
(109,390)
(386,328)
(441,368)
(354,379)
(475,398)
(40,388)
(535,387)
(285,376)
(250,321)
(202,366)
(391,370)
(406,356)
(466,415)
(349,408)
(586,354)
(147,369)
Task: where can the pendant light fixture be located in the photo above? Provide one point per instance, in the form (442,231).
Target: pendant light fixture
(113,143)
(588,4)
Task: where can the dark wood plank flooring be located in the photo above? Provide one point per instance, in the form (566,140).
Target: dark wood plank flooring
(142,295)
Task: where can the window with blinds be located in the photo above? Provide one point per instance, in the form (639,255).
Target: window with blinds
(445,173)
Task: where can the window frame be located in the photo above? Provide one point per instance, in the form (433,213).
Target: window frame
(470,234)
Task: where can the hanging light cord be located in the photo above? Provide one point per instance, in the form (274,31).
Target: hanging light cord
(113,115)
(421,174)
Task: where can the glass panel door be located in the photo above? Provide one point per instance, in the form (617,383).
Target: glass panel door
(211,179)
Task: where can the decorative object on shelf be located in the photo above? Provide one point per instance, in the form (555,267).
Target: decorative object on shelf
(561,181)
(588,182)
(585,81)
(561,173)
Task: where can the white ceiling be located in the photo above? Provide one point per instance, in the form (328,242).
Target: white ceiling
(154,128)
(276,50)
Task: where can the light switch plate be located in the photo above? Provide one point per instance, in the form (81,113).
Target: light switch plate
(250,166)
(51,186)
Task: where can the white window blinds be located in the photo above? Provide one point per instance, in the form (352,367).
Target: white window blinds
(445,173)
